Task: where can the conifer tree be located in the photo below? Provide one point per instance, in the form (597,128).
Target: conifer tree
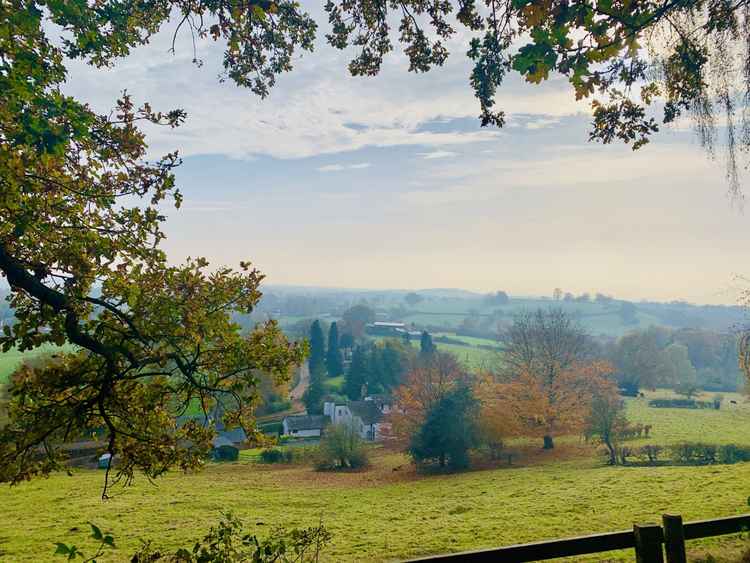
(313,397)
(357,374)
(426,346)
(333,355)
(317,347)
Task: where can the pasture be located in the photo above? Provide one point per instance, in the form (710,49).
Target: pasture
(10,360)
(389,511)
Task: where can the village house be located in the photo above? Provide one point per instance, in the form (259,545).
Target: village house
(304,426)
(365,416)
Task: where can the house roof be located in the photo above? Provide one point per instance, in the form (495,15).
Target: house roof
(236,435)
(220,441)
(368,411)
(306,422)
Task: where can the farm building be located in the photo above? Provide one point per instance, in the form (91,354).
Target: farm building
(304,426)
(385,329)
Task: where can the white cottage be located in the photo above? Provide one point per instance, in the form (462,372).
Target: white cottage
(304,426)
(366,416)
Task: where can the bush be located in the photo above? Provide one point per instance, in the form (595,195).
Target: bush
(226,453)
(287,455)
(681,404)
(272,455)
(718,399)
(732,453)
(649,454)
(695,453)
(341,447)
(229,541)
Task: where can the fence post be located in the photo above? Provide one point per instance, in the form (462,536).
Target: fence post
(648,539)
(674,538)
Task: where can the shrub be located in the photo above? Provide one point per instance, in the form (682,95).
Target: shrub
(227,542)
(649,454)
(695,453)
(718,399)
(681,404)
(341,447)
(732,453)
(272,455)
(226,453)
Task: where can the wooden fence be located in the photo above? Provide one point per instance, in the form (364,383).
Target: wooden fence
(650,542)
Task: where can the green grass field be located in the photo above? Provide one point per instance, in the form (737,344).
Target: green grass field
(470,356)
(385,514)
(9,361)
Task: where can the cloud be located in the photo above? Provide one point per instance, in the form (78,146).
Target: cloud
(437,154)
(341,167)
(316,109)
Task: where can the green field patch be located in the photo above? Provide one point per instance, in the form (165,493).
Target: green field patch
(10,360)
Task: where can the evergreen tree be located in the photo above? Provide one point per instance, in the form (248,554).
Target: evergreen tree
(346,340)
(358,373)
(317,347)
(449,431)
(333,356)
(313,397)
(426,346)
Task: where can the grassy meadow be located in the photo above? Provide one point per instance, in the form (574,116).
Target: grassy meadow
(10,360)
(389,512)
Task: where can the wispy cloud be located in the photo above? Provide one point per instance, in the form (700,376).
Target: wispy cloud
(342,167)
(437,154)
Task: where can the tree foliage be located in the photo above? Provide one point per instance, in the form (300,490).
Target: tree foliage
(317,347)
(334,362)
(549,408)
(606,421)
(80,236)
(224,543)
(692,56)
(424,386)
(543,343)
(377,367)
(413,298)
(426,346)
(356,318)
(313,396)
(449,430)
(342,448)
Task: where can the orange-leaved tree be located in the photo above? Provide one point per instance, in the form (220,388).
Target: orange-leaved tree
(550,408)
(499,419)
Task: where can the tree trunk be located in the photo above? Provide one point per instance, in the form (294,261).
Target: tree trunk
(612,452)
(442,460)
(548,443)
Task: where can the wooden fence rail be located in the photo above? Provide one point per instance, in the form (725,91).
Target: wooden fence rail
(650,542)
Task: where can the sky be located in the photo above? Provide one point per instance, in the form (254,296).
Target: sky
(390,182)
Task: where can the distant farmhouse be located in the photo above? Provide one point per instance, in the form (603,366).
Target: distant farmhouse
(365,416)
(391,329)
(305,426)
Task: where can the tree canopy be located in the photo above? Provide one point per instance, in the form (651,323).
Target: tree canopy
(82,212)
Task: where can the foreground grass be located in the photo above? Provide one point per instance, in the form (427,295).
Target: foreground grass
(374,516)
